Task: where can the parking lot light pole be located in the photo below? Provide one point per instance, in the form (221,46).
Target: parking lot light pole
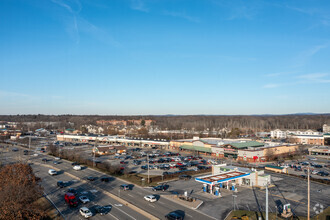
(148,168)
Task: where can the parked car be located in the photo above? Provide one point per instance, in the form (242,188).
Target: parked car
(52,172)
(105,179)
(85,212)
(25,152)
(150,198)
(91,178)
(77,167)
(44,160)
(160,187)
(84,199)
(184,177)
(103,210)
(175,215)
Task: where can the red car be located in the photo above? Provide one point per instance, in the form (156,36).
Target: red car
(70,199)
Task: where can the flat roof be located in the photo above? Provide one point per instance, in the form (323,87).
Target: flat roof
(222,177)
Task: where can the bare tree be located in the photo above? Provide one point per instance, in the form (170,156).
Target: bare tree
(19,189)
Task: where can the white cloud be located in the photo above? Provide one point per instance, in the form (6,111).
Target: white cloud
(139,5)
(280,73)
(315,77)
(182,15)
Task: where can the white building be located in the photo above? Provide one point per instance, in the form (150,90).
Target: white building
(279,134)
(326,128)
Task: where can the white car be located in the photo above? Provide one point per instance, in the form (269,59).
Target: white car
(52,172)
(84,199)
(150,198)
(77,167)
(315,172)
(313,158)
(85,212)
(57,158)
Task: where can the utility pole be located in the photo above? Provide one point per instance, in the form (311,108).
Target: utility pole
(308,196)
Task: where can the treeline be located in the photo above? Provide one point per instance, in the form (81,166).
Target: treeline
(190,122)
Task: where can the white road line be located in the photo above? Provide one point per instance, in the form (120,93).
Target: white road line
(189,215)
(113,216)
(161,202)
(130,195)
(152,206)
(125,213)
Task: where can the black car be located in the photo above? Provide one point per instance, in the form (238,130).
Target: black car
(184,177)
(105,179)
(44,160)
(176,215)
(75,163)
(160,187)
(14,149)
(25,152)
(103,210)
(125,187)
(71,190)
(91,178)
(144,167)
(62,184)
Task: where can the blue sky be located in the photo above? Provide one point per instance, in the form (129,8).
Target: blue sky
(164,56)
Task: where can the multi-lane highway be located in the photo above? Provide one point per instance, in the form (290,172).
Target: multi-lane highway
(98,192)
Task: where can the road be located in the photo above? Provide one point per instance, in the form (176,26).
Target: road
(135,196)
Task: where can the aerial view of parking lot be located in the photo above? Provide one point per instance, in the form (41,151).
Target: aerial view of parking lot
(165,109)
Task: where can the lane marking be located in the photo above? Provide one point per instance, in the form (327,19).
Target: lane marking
(113,216)
(126,213)
(152,206)
(130,195)
(189,215)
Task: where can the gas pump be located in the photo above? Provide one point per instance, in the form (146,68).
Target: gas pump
(221,185)
(204,187)
(217,191)
(233,187)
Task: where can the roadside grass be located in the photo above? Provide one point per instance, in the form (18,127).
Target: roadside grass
(48,208)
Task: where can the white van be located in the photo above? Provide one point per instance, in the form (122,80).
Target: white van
(52,172)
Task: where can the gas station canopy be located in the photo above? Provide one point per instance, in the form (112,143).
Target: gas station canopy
(222,177)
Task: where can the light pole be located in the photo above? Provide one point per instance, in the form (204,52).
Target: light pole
(267,200)
(94,152)
(148,168)
(308,195)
